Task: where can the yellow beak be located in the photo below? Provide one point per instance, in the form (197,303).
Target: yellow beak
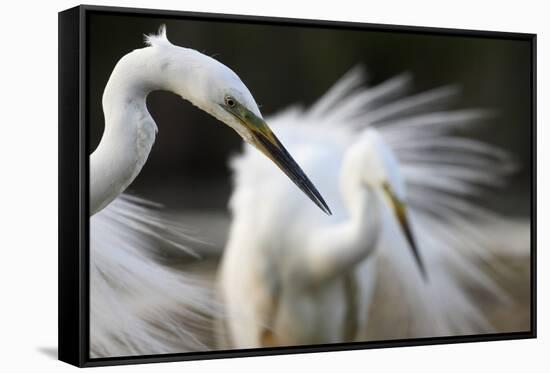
(400,210)
(265,140)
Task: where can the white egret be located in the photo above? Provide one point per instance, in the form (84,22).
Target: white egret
(292,276)
(138,306)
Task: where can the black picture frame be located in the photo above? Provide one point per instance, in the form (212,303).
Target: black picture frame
(74,184)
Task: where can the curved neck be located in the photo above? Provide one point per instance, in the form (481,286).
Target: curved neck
(346,244)
(129,129)
(363,225)
(333,251)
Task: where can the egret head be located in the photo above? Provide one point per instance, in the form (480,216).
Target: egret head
(216,89)
(379,170)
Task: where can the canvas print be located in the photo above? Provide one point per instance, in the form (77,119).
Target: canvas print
(255,185)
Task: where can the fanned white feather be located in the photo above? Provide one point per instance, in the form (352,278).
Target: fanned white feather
(138,305)
(446,176)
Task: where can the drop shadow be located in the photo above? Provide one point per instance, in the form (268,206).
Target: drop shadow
(50,352)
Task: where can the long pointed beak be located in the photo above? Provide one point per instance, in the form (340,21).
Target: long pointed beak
(400,210)
(270,145)
(265,140)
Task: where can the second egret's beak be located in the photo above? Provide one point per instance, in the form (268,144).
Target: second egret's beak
(265,140)
(400,210)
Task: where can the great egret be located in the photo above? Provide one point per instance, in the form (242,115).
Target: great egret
(378,157)
(138,306)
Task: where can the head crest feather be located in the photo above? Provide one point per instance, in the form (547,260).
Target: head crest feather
(158,39)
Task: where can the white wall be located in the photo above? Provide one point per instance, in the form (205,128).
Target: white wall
(28,202)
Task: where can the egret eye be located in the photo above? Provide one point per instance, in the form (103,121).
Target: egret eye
(230,101)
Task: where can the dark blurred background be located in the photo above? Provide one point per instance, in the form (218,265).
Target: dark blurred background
(282,65)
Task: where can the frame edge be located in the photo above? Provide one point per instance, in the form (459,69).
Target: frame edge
(70,348)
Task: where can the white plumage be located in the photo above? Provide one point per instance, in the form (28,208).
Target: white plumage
(292,276)
(139,306)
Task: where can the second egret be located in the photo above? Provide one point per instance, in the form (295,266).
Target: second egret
(399,181)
